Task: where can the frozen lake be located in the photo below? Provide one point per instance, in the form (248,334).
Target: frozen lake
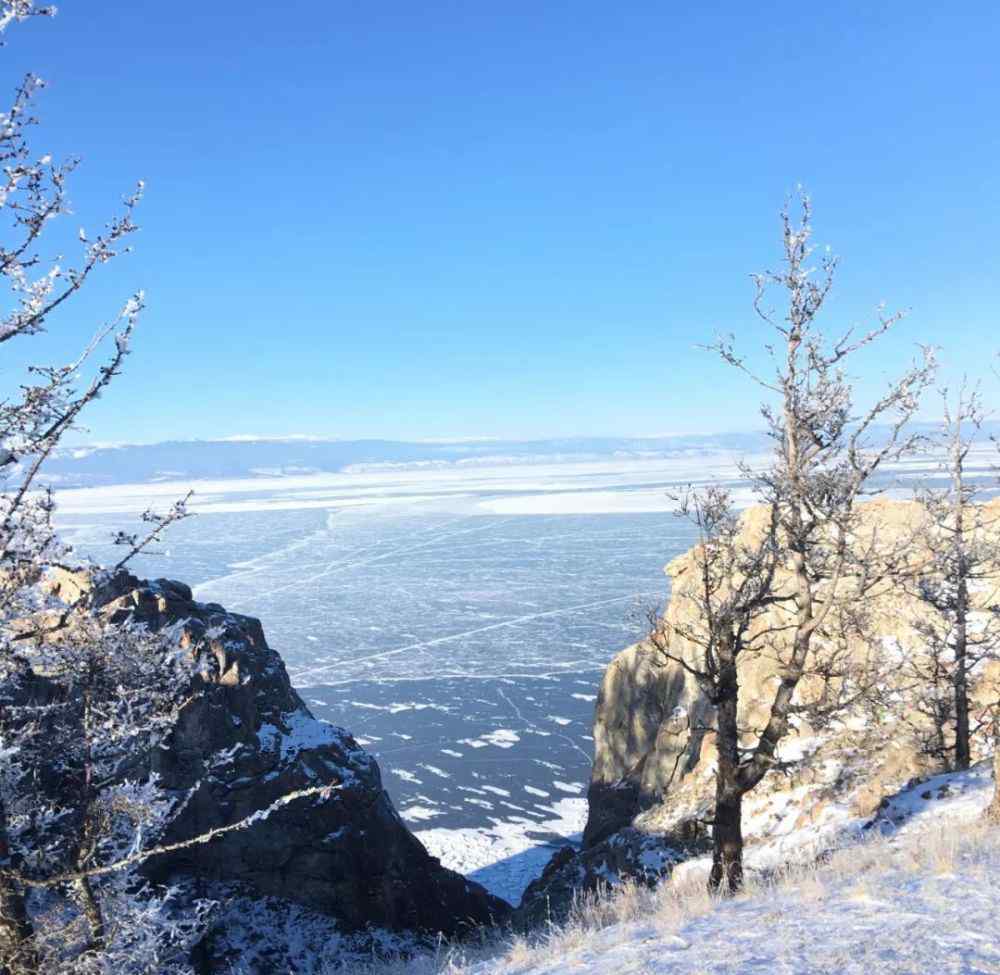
(457,622)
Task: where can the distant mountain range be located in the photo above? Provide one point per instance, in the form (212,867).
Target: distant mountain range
(240,457)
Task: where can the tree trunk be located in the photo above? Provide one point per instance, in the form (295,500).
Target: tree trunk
(963,750)
(84,889)
(727,831)
(92,912)
(727,850)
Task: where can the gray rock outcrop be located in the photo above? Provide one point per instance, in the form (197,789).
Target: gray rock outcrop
(244,740)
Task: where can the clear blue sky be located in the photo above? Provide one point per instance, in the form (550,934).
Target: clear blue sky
(425,219)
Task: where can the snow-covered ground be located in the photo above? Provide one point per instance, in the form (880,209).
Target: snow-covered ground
(900,915)
(917,892)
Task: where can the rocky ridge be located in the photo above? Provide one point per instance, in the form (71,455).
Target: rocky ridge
(340,864)
(652,786)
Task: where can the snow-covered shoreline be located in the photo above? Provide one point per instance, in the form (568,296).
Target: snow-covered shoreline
(507,855)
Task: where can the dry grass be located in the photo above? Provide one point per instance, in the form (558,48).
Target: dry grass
(855,872)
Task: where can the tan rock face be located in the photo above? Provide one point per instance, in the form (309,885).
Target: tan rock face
(652,788)
(653,765)
(642,739)
(69,585)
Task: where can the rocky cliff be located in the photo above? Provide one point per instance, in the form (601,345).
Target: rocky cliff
(332,866)
(652,785)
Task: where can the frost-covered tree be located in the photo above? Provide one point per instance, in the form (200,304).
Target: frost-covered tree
(82,707)
(733,588)
(82,701)
(34,417)
(960,628)
(817,559)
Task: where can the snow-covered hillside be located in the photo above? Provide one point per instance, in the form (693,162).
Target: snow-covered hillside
(917,891)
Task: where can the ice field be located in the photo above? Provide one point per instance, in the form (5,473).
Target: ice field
(461,642)
(456,621)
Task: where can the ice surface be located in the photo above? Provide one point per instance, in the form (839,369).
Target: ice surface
(457,622)
(462,647)
(507,853)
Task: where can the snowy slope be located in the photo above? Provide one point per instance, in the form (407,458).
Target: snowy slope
(916,891)
(896,921)
(913,896)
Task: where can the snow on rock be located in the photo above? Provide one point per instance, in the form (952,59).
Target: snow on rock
(957,796)
(243,742)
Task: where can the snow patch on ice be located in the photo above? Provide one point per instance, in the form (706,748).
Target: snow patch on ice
(418,813)
(501,738)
